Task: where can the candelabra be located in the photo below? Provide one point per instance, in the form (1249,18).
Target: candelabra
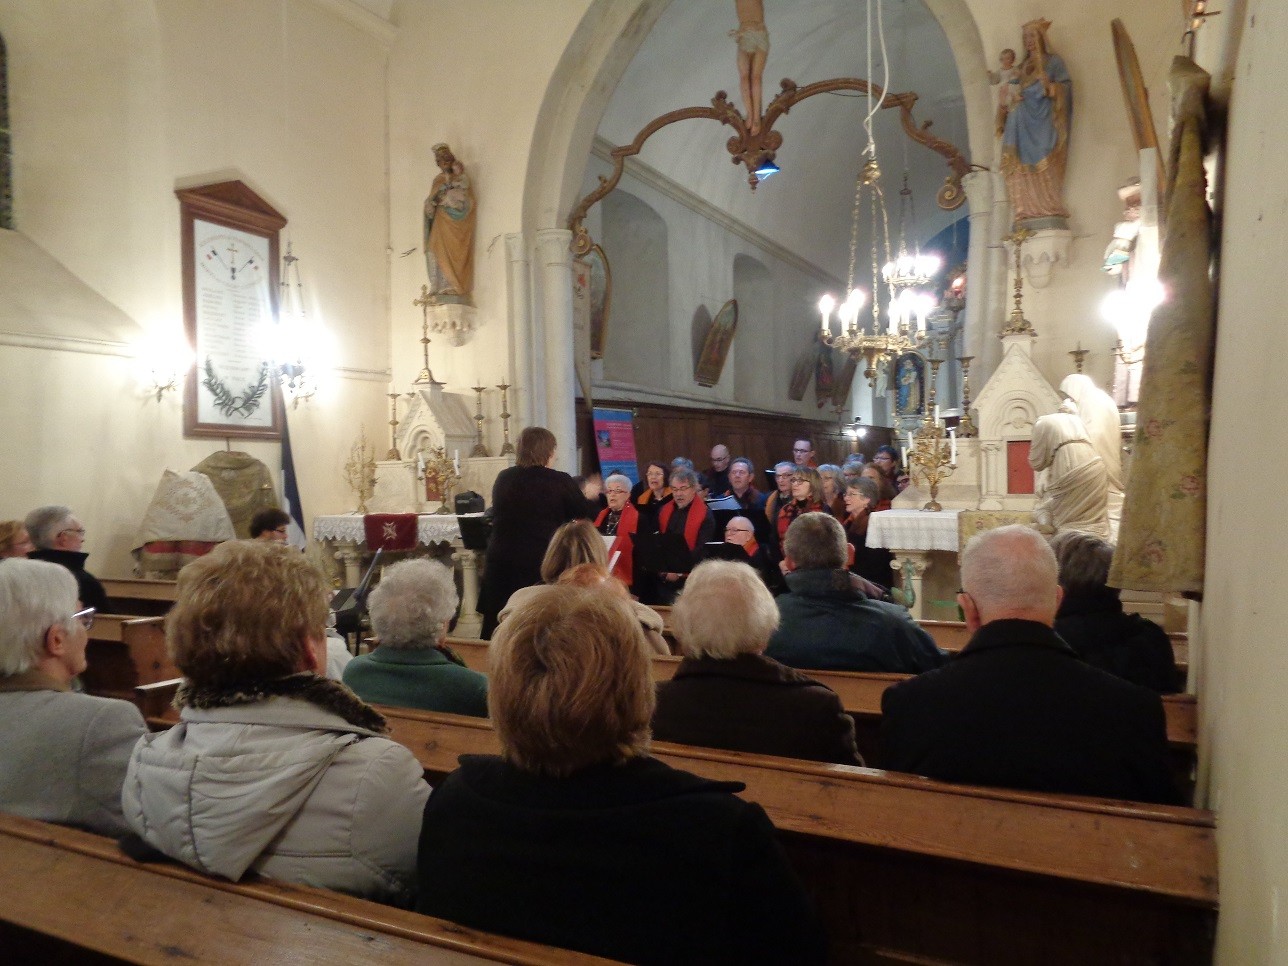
(479,449)
(508,447)
(1079,354)
(360,471)
(1017,324)
(966,426)
(441,474)
(931,455)
(425,301)
(393,427)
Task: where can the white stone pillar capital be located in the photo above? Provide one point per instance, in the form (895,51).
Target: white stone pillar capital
(978,186)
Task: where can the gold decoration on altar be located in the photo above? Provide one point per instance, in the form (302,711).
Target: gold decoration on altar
(933,455)
(360,470)
(1017,324)
(441,473)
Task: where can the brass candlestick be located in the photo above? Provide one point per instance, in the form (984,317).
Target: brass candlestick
(479,449)
(966,425)
(425,301)
(360,471)
(508,447)
(442,473)
(933,458)
(1017,324)
(393,427)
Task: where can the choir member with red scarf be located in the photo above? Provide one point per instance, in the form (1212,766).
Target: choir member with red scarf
(619,519)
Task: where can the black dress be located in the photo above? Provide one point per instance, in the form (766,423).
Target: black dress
(529,504)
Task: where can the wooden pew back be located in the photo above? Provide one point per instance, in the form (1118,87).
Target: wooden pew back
(911,870)
(70,895)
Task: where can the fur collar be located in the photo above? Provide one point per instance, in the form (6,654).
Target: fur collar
(323,692)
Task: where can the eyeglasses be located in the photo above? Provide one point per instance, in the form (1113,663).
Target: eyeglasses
(800,449)
(729,530)
(86,617)
(681,487)
(79,531)
(799,479)
(883,458)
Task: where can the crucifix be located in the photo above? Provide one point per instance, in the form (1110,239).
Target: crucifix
(425,301)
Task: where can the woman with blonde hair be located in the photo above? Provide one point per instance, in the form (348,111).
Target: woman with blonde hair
(576,837)
(727,694)
(574,545)
(273,768)
(14,540)
(807,497)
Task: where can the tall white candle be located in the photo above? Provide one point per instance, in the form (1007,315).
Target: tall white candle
(456,461)
(936,412)
(952,444)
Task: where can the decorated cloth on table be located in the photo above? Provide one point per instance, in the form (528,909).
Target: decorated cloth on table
(243,483)
(1163,535)
(185,520)
(390,531)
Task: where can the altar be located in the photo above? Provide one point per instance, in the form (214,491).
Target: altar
(924,545)
(343,538)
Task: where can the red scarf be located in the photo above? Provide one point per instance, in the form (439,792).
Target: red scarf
(630,518)
(697,513)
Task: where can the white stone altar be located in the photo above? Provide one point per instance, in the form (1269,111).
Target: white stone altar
(922,542)
(344,538)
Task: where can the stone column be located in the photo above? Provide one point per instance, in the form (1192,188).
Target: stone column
(470,621)
(979,196)
(912,563)
(350,557)
(526,398)
(555,264)
(997,302)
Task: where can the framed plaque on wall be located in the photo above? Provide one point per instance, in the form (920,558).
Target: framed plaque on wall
(229,244)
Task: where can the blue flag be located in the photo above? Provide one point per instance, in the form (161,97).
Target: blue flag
(291,492)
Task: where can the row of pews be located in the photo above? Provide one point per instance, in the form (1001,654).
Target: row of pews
(904,870)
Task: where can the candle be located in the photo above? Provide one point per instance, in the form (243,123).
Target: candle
(825,305)
(904,456)
(420,465)
(936,412)
(456,461)
(952,444)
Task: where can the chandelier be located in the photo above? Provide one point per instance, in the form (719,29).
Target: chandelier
(902,275)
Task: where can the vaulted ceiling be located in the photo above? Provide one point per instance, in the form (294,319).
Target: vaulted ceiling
(689,56)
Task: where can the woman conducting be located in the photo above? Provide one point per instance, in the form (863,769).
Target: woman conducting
(576,837)
(530,500)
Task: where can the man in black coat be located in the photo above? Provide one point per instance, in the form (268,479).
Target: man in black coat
(1017,708)
(59,536)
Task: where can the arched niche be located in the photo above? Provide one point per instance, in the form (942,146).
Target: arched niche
(638,340)
(753,358)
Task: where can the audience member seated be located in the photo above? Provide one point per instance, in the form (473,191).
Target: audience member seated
(59,536)
(411,668)
(828,623)
(574,544)
(727,694)
(688,516)
(575,837)
(870,563)
(1017,707)
(14,541)
(807,497)
(65,753)
(273,768)
(620,520)
(270,525)
(1092,622)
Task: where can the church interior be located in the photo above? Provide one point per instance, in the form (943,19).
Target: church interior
(330,117)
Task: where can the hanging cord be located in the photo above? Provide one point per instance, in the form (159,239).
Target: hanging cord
(871,149)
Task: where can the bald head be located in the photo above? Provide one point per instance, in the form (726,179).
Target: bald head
(1010,573)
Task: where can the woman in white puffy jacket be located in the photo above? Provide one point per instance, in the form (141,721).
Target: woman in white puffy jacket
(273,768)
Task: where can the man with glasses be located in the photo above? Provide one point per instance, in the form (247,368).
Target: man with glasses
(803,453)
(688,517)
(717,478)
(65,753)
(59,535)
(270,525)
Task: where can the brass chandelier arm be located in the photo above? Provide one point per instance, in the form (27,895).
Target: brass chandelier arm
(752,150)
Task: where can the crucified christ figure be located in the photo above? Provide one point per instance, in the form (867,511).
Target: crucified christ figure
(753,48)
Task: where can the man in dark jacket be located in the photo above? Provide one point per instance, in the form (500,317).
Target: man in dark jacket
(829,623)
(1018,708)
(59,536)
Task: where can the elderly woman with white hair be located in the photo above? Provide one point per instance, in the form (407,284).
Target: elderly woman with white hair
(576,837)
(620,520)
(727,694)
(412,667)
(65,753)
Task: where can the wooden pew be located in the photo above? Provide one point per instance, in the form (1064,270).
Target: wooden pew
(125,652)
(860,692)
(907,870)
(73,897)
(140,598)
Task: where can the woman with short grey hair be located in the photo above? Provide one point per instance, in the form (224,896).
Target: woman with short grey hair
(65,753)
(727,694)
(412,667)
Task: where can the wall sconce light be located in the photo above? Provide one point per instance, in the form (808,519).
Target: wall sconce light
(162,366)
(292,338)
(1129,309)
